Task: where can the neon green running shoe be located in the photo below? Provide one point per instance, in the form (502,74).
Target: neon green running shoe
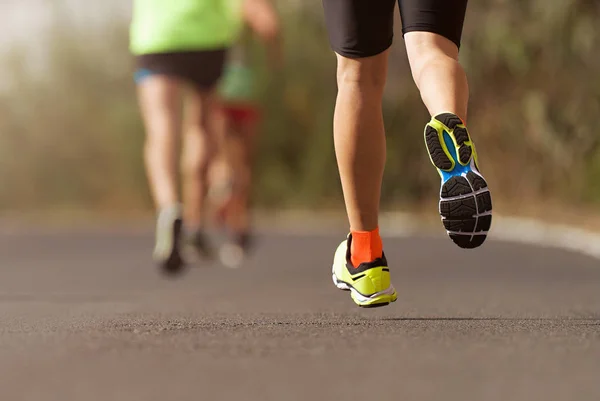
(465,200)
(369,283)
(167,253)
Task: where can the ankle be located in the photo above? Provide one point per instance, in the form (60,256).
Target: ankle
(366,246)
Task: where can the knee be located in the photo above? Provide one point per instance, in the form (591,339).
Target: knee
(198,156)
(426,49)
(366,73)
(196,164)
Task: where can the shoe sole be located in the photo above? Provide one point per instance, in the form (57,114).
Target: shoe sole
(173,263)
(231,256)
(382,298)
(465,200)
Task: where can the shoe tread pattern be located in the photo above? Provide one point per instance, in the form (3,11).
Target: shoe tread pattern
(439,158)
(467,210)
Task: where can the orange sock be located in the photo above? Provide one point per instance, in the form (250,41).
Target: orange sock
(366,246)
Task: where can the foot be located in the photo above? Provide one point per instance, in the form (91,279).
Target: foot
(167,252)
(233,253)
(200,244)
(465,200)
(369,283)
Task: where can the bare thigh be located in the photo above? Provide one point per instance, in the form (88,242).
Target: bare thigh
(159,101)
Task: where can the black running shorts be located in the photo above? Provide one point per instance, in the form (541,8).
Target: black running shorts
(203,69)
(363,28)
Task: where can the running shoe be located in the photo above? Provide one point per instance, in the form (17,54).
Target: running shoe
(369,283)
(465,201)
(168,233)
(233,253)
(200,243)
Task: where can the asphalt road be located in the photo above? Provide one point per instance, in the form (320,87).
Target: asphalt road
(84,316)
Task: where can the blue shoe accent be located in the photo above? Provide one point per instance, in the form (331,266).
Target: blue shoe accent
(458,169)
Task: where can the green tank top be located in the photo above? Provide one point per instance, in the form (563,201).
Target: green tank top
(160,26)
(239,81)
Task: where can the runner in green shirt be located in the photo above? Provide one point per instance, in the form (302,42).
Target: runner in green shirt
(240,114)
(180,48)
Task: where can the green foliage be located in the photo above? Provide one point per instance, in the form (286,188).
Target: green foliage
(73,136)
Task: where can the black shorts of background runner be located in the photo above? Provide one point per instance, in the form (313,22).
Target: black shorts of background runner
(203,69)
(363,28)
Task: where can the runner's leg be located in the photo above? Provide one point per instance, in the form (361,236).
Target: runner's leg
(432,32)
(360,33)
(160,107)
(199,148)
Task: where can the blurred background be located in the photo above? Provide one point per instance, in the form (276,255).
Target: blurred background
(71,136)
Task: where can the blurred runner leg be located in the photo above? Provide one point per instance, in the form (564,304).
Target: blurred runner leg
(180,46)
(241,114)
(199,149)
(159,104)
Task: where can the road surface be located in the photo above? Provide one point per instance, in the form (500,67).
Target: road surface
(84,316)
